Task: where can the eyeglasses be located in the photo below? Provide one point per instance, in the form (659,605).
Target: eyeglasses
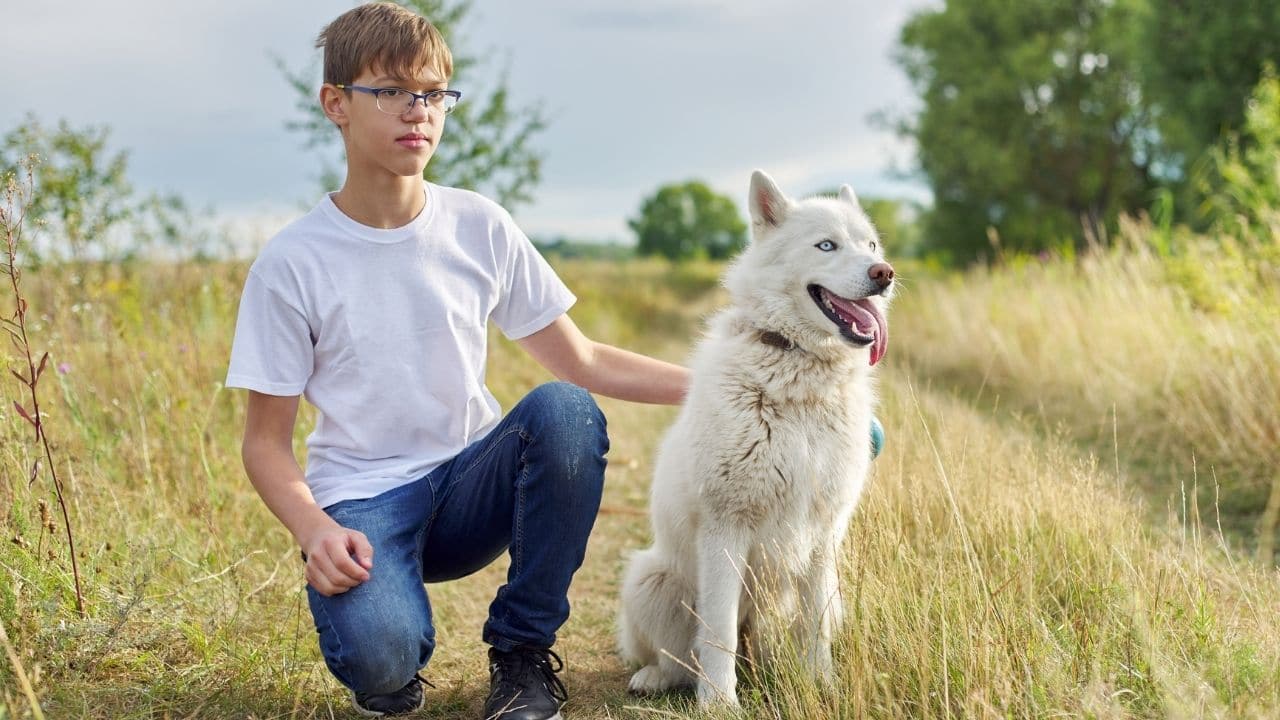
(396,101)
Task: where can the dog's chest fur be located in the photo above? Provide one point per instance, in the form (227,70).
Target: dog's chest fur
(780,435)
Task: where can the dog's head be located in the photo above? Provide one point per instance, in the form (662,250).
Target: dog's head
(814,269)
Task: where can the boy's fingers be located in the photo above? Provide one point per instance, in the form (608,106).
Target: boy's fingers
(351,571)
(317,580)
(363,550)
(326,568)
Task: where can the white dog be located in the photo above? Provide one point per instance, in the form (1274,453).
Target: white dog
(759,475)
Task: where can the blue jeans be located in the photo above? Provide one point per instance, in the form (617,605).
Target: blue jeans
(532,487)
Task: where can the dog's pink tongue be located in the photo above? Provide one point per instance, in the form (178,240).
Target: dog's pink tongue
(881,343)
(867,320)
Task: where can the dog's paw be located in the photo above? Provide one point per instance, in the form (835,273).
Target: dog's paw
(648,680)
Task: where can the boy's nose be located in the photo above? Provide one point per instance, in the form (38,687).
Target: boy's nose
(417,110)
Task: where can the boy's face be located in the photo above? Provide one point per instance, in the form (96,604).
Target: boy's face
(397,144)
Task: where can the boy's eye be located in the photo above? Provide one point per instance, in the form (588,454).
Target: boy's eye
(826,246)
(391,93)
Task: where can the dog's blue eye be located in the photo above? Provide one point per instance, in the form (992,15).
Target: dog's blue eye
(826,246)
(873,246)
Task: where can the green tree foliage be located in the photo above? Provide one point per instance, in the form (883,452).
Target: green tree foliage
(82,198)
(488,140)
(686,221)
(1044,120)
(1239,178)
(1032,132)
(80,191)
(1200,60)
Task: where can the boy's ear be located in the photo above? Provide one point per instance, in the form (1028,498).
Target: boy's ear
(334,104)
(767,204)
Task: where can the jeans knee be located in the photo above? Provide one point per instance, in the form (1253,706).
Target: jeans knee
(569,417)
(383,662)
(571,430)
(561,397)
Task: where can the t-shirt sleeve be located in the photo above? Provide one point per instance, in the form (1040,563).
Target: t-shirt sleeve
(532,294)
(272,352)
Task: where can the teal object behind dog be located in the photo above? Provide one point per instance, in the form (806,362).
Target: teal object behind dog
(877,437)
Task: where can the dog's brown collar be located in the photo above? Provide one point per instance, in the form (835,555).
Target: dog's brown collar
(776,339)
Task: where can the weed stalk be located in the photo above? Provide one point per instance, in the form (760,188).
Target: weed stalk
(17,199)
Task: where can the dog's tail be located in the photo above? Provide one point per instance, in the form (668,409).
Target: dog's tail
(657,618)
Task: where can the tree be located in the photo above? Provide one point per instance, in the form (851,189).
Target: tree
(81,194)
(1200,61)
(686,221)
(1033,130)
(1239,178)
(488,143)
(78,190)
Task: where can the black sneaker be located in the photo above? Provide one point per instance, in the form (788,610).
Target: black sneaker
(401,702)
(523,685)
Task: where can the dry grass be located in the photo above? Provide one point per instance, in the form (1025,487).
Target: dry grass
(995,569)
(1165,365)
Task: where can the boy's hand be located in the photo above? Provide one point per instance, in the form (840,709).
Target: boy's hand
(338,559)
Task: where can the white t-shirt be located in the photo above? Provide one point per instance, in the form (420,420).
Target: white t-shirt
(384,332)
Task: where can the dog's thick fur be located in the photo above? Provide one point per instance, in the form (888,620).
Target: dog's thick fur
(757,479)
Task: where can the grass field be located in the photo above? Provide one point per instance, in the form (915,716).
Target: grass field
(1034,541)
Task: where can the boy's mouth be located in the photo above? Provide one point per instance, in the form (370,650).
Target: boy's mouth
(413,140)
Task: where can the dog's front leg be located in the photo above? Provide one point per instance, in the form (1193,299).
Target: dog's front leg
(820,616)
(722,565)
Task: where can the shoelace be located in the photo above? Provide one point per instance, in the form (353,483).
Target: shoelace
(535,663)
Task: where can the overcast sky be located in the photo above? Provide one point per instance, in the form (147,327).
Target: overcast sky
(638,94)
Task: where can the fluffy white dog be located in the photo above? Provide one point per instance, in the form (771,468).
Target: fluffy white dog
(758,477)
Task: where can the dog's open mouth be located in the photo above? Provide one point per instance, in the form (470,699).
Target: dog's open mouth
(860,321)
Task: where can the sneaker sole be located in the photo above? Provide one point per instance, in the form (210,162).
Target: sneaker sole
(364,712)
(557,716)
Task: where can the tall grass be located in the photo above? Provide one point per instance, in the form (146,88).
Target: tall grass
(994,570)
(994,573)
(1167,364)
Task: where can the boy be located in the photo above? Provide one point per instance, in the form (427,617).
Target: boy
(374,305)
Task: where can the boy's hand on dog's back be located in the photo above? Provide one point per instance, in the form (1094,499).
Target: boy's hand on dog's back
(338,559)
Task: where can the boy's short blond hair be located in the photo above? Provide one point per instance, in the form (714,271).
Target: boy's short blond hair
(386,36)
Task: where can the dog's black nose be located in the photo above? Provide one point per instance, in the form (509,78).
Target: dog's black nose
(881,274)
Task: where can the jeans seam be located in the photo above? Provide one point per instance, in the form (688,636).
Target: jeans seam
(517,540)
(493,447)
(420,535)
(333,631)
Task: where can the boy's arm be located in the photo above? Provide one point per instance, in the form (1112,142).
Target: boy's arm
(267,452)
(569,355)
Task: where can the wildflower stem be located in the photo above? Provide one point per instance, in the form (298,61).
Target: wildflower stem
(17,196)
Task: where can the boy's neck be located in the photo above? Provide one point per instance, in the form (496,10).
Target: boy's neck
(385,203)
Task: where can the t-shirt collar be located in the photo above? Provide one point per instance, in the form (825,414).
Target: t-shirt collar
(379,235)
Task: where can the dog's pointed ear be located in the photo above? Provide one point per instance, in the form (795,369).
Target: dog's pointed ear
(767,204)
(846,194)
